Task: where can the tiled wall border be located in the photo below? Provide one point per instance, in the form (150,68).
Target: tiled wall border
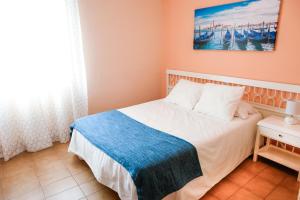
(268,96)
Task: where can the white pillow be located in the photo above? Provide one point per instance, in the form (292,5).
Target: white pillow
(185,93)
(220,101)
(244,109)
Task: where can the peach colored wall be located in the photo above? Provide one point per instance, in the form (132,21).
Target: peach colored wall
(122,46)
(282,65)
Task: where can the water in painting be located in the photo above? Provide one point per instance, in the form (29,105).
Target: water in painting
(246,25)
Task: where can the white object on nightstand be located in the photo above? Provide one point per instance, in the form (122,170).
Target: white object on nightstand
(292,109)
(274,127)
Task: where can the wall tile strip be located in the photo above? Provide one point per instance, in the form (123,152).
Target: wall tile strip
(263,96)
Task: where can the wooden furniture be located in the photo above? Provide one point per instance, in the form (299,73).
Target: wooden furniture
(274,128)
(268,97)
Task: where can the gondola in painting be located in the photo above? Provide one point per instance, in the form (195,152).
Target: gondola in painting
(249,25)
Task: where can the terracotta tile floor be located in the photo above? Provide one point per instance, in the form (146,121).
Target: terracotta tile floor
(55,174)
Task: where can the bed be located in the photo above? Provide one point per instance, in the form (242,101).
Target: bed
(221,145)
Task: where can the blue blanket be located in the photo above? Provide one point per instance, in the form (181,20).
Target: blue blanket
(158,163)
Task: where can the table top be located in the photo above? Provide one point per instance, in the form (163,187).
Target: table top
(277,123)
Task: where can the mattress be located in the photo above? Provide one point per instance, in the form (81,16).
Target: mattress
(221,147)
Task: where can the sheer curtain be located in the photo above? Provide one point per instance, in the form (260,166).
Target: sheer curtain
(42,74)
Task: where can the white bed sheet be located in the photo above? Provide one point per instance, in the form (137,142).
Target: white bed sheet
(221,147)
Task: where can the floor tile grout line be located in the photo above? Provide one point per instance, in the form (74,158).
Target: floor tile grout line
(42,187)
(92,192)
(86,196)
(78,185)
(234,193)
(39,182)
(261,177)
(60,180)
(250,178)
(44,195)
(287,187)
(253,179)
(239,188)
(71,175)
(276,186)
(60,192)
(243,186)
(32,168)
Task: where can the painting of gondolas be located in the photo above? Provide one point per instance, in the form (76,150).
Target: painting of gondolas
(249,25)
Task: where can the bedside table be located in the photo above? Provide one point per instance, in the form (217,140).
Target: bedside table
(274,128)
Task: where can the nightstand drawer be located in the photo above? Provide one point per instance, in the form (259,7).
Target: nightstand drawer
(281,137)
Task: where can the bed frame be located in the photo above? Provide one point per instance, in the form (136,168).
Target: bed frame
(268,97)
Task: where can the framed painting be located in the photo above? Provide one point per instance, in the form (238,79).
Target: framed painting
(249,25)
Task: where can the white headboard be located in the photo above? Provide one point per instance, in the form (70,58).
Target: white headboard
(268,97)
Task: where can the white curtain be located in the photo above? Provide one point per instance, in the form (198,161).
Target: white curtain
(42,74)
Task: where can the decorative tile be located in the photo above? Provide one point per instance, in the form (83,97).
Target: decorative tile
(257,95)
(263,96)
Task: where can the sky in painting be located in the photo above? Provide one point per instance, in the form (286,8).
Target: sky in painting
(244,12)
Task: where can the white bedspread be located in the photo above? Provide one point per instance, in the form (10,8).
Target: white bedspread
(221,147)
